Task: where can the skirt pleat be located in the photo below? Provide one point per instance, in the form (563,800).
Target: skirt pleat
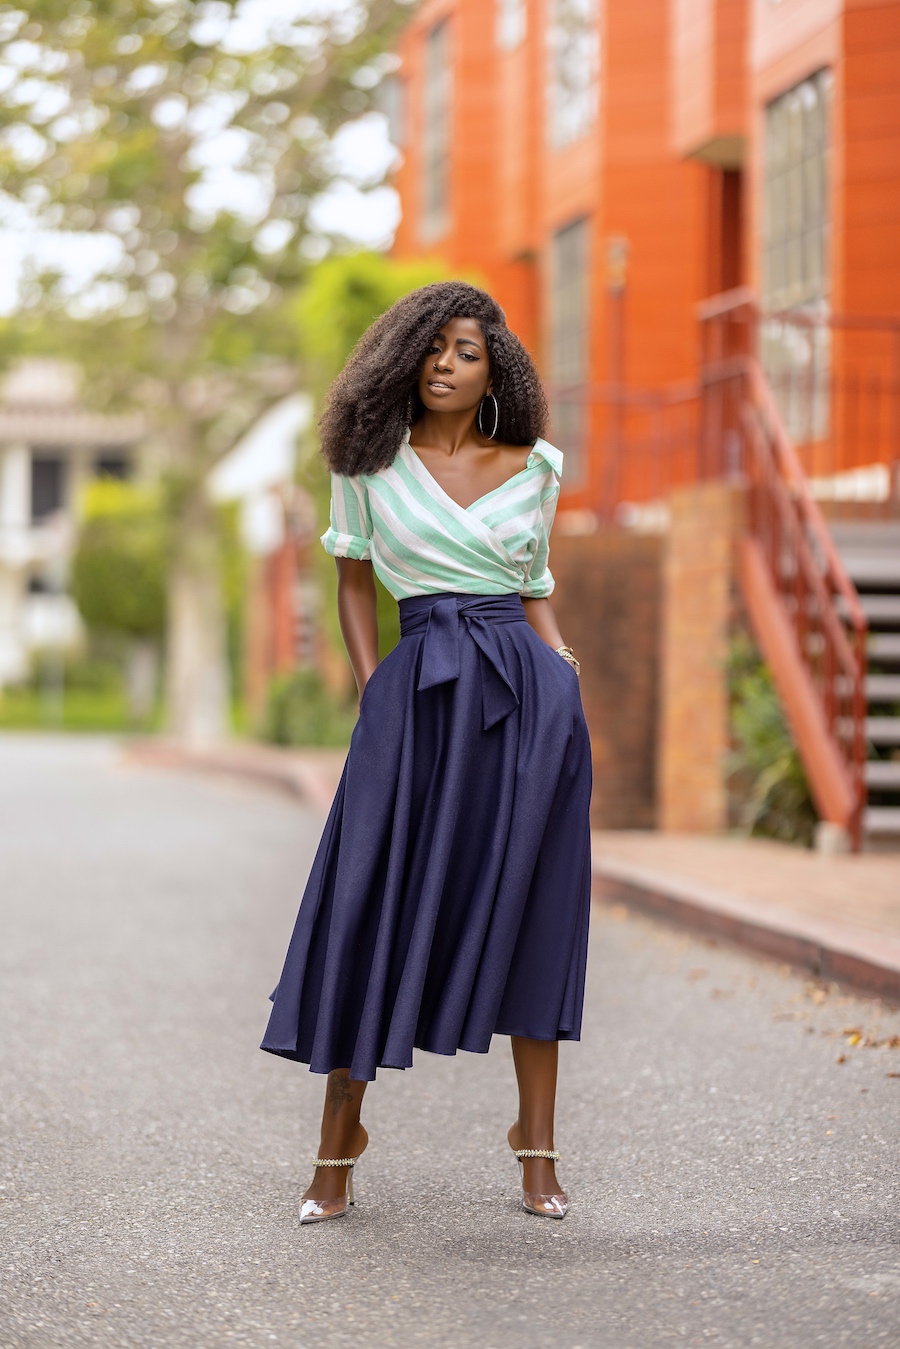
(449,897)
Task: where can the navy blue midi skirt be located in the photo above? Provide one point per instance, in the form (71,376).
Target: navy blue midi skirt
(450,894)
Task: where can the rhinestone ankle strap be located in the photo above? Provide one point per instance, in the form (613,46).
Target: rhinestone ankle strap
(537,1152)
(335,1161)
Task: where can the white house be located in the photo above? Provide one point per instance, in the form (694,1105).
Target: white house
(50,445)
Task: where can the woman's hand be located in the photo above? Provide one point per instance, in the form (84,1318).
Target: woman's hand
(542,618)
(357,612)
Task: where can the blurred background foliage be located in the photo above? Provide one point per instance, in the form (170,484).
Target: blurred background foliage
(109,127)
(302,711)
(119,568)
(768,785)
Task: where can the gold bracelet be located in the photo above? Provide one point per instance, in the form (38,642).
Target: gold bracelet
(569,655)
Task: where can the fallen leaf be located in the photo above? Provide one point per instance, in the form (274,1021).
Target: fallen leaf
(854,1039)
(841,1058)
(697,974)
(892,1074)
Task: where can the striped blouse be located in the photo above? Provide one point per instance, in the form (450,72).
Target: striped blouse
(421,542)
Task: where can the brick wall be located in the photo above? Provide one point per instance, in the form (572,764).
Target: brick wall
(699,600)
(608,604)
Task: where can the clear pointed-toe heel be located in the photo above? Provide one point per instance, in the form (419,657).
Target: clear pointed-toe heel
(543,1205)
(320,1210)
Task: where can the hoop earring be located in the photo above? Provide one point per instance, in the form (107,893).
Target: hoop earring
(480,417)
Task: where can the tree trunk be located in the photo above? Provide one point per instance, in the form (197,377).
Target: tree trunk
(197,669)
(140,679)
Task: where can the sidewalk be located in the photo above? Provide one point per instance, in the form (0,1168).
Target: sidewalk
(838,916)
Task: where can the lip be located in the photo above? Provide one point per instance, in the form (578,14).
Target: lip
(441,386)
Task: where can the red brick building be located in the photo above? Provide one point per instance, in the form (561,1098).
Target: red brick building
(604,165)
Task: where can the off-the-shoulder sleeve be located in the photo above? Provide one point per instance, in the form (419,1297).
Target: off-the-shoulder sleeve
(539,582)
(350,532)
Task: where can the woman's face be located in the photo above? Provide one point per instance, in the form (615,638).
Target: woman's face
(456,373)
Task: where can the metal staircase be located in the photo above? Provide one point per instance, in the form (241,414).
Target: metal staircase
(870,552)
(822,594)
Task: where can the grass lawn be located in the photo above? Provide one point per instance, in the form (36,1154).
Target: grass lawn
(28,709)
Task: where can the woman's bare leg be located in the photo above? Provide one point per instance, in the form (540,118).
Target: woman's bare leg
(342,1134)
(536,1066)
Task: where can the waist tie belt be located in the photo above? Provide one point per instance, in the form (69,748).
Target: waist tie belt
(442,618)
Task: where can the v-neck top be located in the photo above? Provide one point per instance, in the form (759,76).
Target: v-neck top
(421,542)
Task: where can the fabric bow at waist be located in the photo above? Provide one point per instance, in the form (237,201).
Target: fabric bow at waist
(441,617)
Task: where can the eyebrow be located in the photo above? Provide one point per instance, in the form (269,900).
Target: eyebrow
(460,341)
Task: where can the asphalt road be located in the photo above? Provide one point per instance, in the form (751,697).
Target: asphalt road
(733,1182)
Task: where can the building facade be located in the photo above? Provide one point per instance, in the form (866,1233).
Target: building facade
(51,445)
(605,165)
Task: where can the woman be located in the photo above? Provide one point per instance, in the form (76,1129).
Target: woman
(449,897)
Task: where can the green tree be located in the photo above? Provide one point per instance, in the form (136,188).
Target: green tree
(341,297)
(111,113)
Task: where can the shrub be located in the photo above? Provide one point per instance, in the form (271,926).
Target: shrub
(119,568)
(770,791)
(301,711)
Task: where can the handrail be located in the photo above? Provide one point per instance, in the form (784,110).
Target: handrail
(867,323)
(793,473)
(792,526)
(683,391)
(795,567)
(741,297)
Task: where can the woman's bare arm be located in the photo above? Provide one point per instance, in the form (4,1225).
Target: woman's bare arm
(357,612)
(542,618)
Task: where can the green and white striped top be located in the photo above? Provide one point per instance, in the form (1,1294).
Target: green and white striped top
(421,542)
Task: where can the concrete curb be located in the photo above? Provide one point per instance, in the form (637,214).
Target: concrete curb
(311,777)
(831,950)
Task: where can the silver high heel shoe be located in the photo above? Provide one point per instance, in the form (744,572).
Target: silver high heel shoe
(320,1210)
(543,1205)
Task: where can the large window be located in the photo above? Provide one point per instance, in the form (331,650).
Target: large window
(569,343)
(512,23)
(436,139)
(797,225)
(796,247)
(573,37)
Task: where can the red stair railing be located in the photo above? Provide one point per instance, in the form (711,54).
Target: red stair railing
(805,609)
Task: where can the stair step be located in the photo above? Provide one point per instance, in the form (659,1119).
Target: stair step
(883,773)
(883,688)
(865,534)
(872,566)
(877,608)
(881,820)
(883,730)
(884,646)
